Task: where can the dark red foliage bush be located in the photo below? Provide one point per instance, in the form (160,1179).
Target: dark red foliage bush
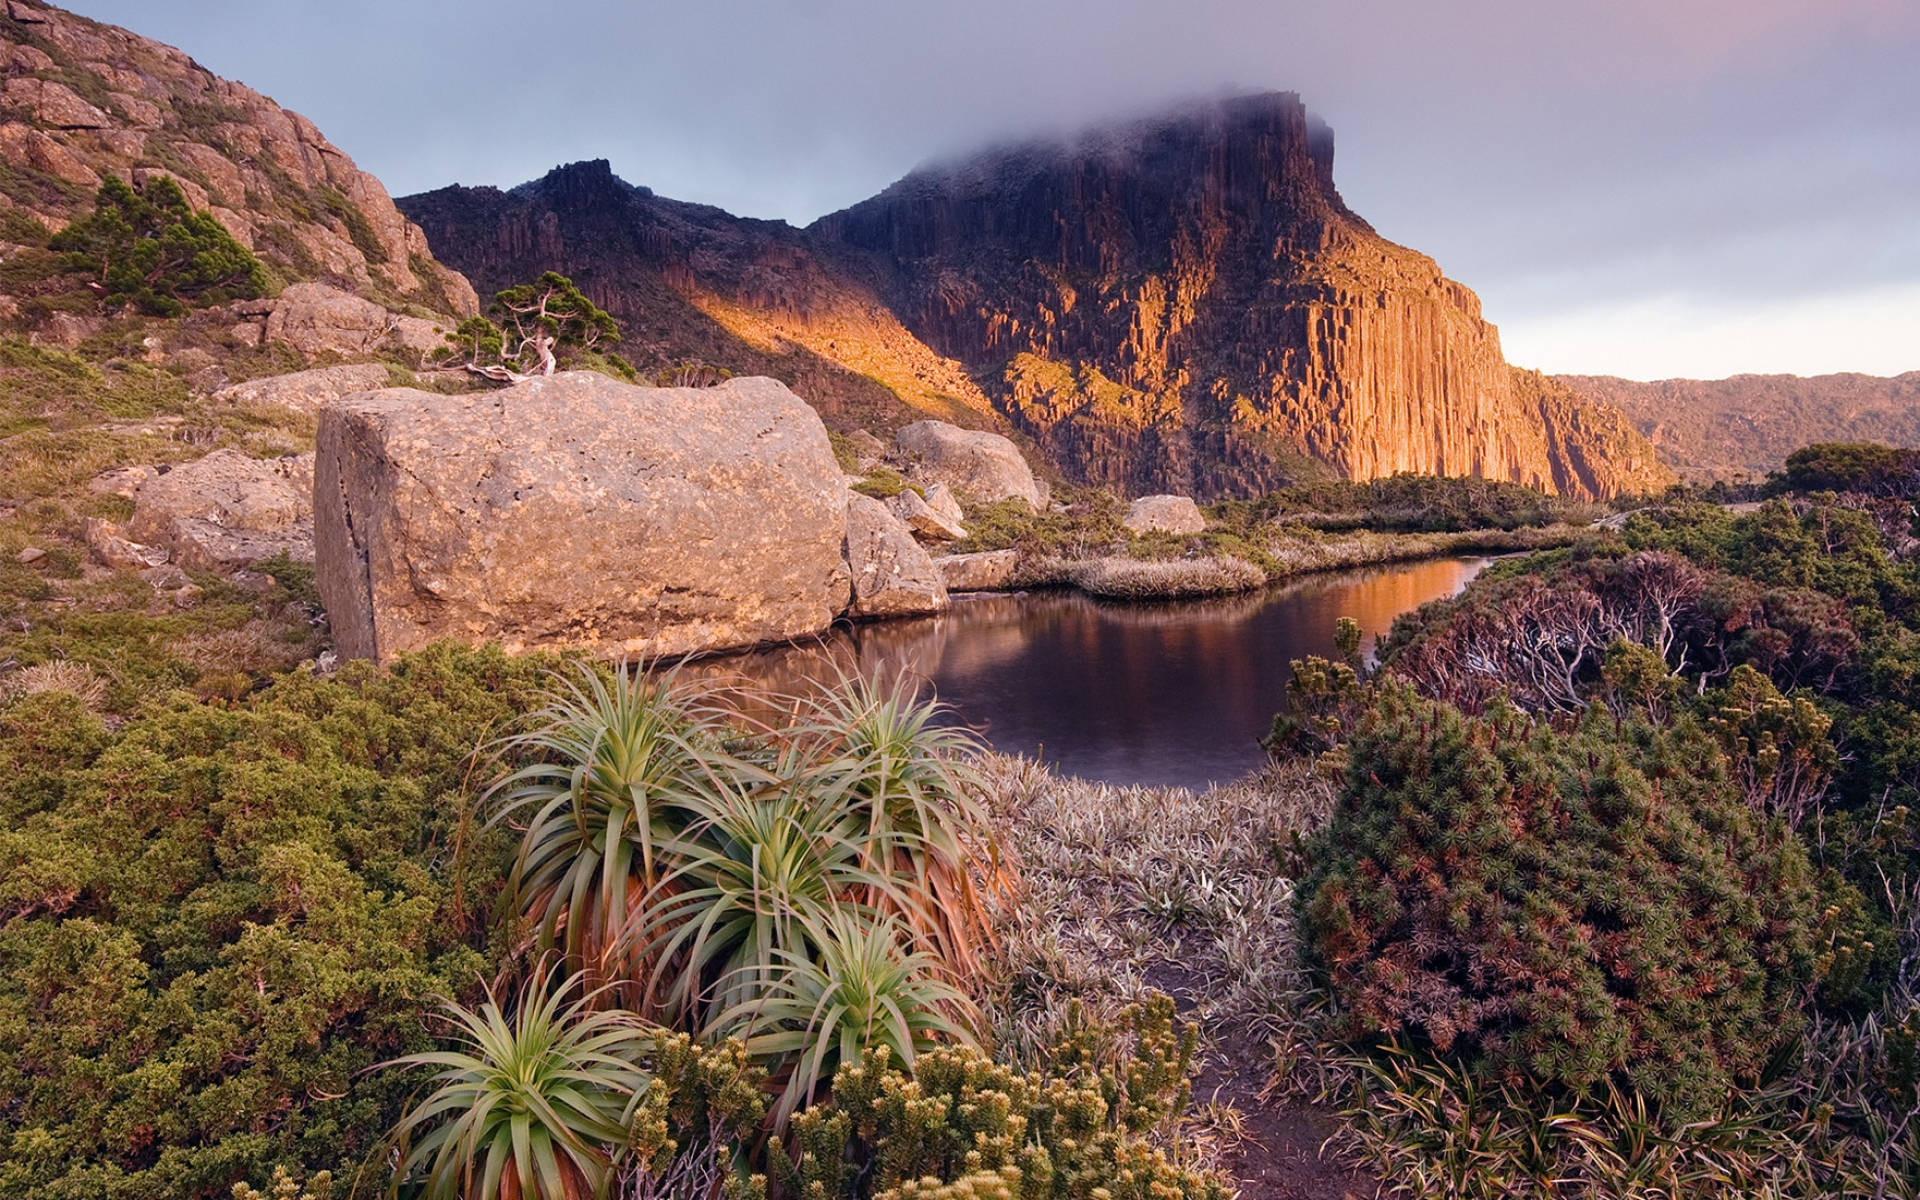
(1561,905)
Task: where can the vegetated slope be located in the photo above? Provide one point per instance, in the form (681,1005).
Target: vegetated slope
(1710,429)
(694,286)
(80,101)
(1183,303)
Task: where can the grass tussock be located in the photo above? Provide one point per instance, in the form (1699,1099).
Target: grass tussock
(1114,577)
(1125,890)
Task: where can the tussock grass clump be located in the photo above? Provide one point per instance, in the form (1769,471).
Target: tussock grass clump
(1135,579)
(1128,890)
(72,678)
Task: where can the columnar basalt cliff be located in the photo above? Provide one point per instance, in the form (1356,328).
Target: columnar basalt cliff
(1187,304)
(1183,304)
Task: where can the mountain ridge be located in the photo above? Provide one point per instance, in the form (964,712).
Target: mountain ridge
(1181,303)
(1745,425)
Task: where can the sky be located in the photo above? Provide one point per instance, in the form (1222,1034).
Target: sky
(1646,188)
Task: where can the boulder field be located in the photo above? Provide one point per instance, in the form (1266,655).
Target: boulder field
(578,512)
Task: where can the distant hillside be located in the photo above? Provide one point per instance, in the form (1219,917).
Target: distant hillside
(1748,424)
(80,101)
(1183,303)
(691,285)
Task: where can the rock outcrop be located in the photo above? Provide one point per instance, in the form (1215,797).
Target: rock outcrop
(982,571)
(84,100)
(317,319)
(574,511)
(1183,304)
(923,519)
(1187,304)
(306,391)
(1165,514)
(695,287)
(892,575)
(984,467)
(228,510)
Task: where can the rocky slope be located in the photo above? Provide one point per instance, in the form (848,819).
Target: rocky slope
(694,286)
(1748,424)
(80,100)
(1183,304)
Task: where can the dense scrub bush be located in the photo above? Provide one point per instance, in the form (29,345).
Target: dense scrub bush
(1570,907)
(214,919)
(1404,503)
(150,249)
(1075,1131)
(1865,467)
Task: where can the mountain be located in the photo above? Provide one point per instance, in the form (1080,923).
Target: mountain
(80,100)
(1748,424)
(693,285)
(1177,304)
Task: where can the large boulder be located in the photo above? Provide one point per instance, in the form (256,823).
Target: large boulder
(981,466)
(306,391)
(892,575)
(317,319)
(228,510)
(575,511)
(1165,514)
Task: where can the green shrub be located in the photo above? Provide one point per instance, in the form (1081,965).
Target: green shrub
(222,916)
(148,248)
(1079,1129)
(1564,906)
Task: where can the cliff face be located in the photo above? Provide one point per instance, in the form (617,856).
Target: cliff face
(1709,429)
(1187,304)
(1182,304)
(80,100)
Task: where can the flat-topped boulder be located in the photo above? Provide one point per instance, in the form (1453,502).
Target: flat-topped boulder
(980,466)
(1165,514)
(574,511)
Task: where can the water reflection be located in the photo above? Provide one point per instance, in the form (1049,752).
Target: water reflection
(1129,693)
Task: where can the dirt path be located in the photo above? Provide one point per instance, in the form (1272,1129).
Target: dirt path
(1277,1156)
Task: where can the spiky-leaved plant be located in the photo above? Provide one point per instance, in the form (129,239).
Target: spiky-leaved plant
(758,872)
(858,989)
(910,792)
(532,1103)
(620,769)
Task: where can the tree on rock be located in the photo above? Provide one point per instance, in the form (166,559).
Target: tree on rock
(530,328)
(149,248)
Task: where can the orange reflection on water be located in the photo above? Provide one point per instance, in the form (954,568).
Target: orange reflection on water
(1175,693)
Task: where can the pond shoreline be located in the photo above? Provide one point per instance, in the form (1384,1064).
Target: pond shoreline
(1119,577)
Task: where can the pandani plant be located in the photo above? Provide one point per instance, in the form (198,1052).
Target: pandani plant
(811,886)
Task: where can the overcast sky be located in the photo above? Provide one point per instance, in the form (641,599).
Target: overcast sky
(1646,188)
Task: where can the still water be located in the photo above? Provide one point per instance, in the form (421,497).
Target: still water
(1176,693)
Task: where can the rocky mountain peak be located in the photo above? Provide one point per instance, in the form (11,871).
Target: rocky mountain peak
(1253,161)
(1176,303)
